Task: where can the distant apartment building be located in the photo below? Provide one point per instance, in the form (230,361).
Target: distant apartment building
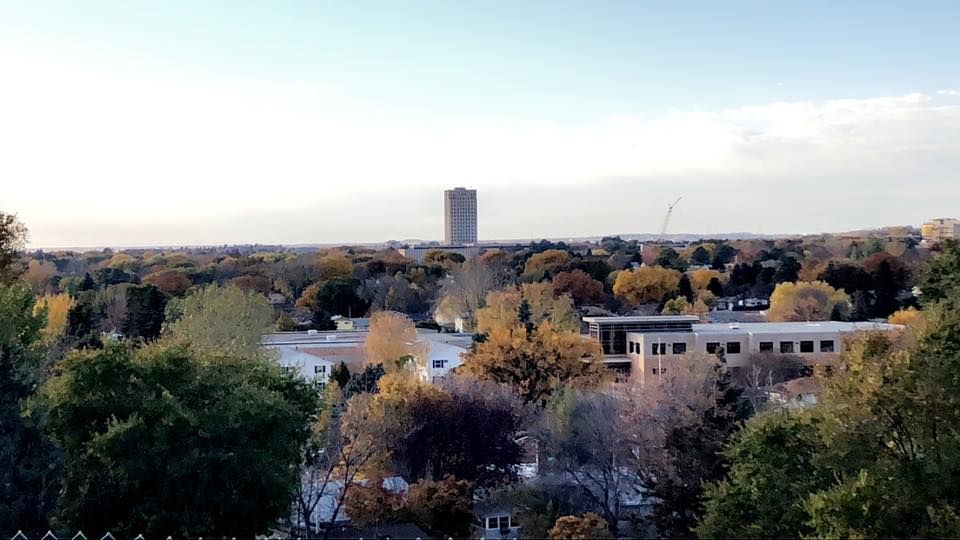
(460,216)
(940,229)
(646,346)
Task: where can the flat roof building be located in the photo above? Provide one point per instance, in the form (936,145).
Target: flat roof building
(460,216)
(940,229)
(645,346)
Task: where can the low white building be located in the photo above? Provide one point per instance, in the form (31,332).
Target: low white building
(310,367)
(314,354)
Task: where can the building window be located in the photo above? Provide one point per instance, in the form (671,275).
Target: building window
(679,348)
(439,364)
(806,346)
(321,385)
(318,370)
(658,348)
(499,522)
(766,346)
(713,347)
(733,347)
(630,346)
(827,346)
(786,347)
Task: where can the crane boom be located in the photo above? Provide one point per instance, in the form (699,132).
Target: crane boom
(666,219)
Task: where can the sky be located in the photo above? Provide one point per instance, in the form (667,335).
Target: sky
(135,123)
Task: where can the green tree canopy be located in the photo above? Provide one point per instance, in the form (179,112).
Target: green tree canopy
(172,441)
(225,320)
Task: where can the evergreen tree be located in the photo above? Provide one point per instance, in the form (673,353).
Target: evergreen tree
(685,289)
(340,374)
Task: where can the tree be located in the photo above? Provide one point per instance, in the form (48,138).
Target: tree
(583,288)
(502,308)
(82,329)
(443,507)
(546,264)
(145,312)
(940,279)
(365,382)
(464,291)
(111,302)
(220,320)
(256,283)
(590,526)
(700,256)
(152,437)
(676,306)
(715,287)
(808,301)
(772,466)
(648,284)
(669,258)
(40,275)
(57,307)
(535,362)
(906,317)
(172,282)
(13,238)
(334,266)
(685,289)
(589,443)
(467,429)
(340,296)
(28,462)
(693,452)
(393,341)
(340,374)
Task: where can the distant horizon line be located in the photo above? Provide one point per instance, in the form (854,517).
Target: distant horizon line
(647,237)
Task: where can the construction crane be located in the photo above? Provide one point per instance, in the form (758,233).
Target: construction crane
(666,220)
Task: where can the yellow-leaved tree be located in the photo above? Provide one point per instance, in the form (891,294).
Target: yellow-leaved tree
(334,265)
(590,526)
(808,301)
(545,305)
(647,284)
(535,362)
(393,341)
(57,307)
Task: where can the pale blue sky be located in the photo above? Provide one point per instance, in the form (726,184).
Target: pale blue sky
(133,123)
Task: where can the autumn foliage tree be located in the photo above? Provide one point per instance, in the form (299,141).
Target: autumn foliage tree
(648,284)
(536,360)
(172,282)
(589,526)
(502,308)
(808,301)
(580,286)
(393,341)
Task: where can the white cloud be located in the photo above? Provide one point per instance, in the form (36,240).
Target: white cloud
(949,92)
(177,161)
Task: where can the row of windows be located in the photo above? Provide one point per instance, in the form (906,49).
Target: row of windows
(787,347)
(439,364)
(733,347)
(500,522)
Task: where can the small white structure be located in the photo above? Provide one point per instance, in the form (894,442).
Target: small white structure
(310,367)
(445,353)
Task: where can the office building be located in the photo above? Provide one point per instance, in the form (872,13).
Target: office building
(940,229)
(460,216)
(644,346)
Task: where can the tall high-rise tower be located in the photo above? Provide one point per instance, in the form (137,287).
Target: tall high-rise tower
(460,216)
